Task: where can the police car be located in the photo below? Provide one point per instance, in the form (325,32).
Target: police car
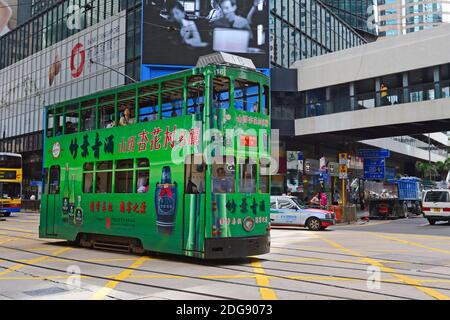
(288,211)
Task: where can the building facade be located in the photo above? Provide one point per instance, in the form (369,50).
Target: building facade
(358,14)
(59,52)
(305,29)
(396,17)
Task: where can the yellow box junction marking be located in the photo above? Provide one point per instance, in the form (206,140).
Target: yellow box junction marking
(415,244)
(408,280)
(102,293)
(263,281)
(32,261)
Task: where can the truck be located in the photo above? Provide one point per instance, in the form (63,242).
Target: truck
(394,198)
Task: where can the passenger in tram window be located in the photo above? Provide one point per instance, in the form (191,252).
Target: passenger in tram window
(220,183)
(255,107)
(70,127)
(126,118)
(174,114)
(111,124)
(143,188)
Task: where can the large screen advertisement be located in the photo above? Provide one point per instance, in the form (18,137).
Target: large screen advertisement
(8,16)
(179,32)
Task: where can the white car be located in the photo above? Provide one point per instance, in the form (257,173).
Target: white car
(288,211)
(436,205)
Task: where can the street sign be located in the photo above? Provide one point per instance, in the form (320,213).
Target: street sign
(343,158)
(343,171)
(311,166)
(374,153)
(374,168)
(333,169)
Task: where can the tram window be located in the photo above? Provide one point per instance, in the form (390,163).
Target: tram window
(265,100)
(50,122)
(221,93)
(148,108)
(88,182)
(195,169)
(54,180)
(142,180)
(172,103)
(143,163)
(195,95)
(142,175)
(124,176)
(88,119)
(224,174)
(127,113)
(88,177)
(103,182)
(246,95)
(104,165)
(172,84)
(59,121)
(106,116)
(247,175)
(88,166)
(264,176)
(124,181)
(72,118)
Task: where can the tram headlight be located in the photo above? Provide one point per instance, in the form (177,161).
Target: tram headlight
(248,224)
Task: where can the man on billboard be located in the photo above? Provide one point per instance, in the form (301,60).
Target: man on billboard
(5,15)
(230,19)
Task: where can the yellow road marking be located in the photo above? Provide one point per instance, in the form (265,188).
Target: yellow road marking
(370,224)
(355,261)
(418,236)
(415,244)
(32,261)
(19,230)
(95,260)
(431,292)
(102,293)
(263,280)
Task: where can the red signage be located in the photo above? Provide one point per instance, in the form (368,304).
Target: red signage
(248,141)
(76,71)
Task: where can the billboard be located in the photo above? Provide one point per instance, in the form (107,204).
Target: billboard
(66,70)
(178,32)
(8,16)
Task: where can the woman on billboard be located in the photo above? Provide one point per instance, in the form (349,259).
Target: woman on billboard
(5,15)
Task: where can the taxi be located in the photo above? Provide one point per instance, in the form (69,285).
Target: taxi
(288,211)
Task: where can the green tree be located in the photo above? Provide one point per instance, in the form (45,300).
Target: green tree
(442,168)
(426,169)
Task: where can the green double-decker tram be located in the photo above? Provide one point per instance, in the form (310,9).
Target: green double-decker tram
(178,164)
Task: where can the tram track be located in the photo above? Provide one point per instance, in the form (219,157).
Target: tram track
(246,271)
(265,274)
(408,272)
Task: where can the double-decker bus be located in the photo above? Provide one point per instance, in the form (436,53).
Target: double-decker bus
(178,164)
(10,183)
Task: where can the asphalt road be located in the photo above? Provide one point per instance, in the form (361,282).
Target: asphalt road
(401,259)
(412,225)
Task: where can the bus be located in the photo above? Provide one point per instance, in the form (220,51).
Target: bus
(178,164)
(10,183)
